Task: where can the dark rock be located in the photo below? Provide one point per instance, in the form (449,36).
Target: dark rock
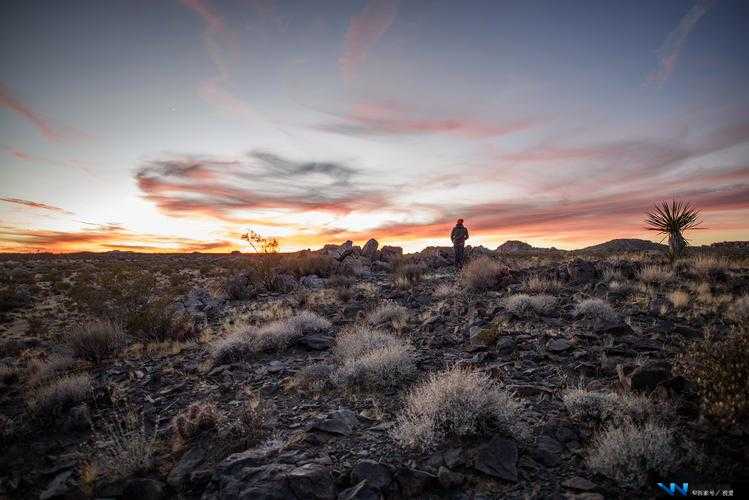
(548,451)
(615,329)
(58,488)
(583,496)
(312,281)
(311,481)
(558,345)
(339,422)
(415,483)
(376,474)
(498,458)
(448,478)
(144,489)
(315,342)
(581,271)
(579,483)
(180,473)
(648,377)
(390,253)
(369,250)
(360,491)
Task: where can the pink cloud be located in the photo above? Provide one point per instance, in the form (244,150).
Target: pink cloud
(35,205)
(364,30)
(37,120)
(668,53)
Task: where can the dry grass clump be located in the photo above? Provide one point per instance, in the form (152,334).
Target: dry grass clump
(538,284)
(628,453)
(53,400)
(708,265)
(305,265)
(679,298)
(160,321)
(482,274)
(719,366)
(246,341)
(654,274)
(584,405)
(96,340)
(738,312)
(389,313)
(195,419)
(125,447)
(445,291)
(407,274)
(597,309)
(610,274)
(528,305)
(43,371)
(239,286)
(372,358)
(312,378)
(250,424)
(457,402)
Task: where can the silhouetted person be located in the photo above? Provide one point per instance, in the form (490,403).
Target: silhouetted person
(459,235)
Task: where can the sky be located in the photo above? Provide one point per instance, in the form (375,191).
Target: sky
(179,125)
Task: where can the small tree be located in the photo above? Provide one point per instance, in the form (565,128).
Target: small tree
(267,245)
(267,258)
(671,220)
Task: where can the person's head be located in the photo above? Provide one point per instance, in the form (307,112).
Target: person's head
(460,222)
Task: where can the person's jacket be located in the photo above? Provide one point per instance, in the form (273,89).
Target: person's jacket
(459,235)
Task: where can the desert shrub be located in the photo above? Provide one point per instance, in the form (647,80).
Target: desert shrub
(318,300)
(709,266)
(628,453)
(595,309)
(482,274)
(53,400)
(654,274)
(538,284)
(679,299)
(445,291)
(125,446)
(196,418)
(245,341)
(160,321)
(738,311)
(389,313)
(370,358)
(340,280)
(43,371)
(9,373)
(239,286)
(584,405)
(251,421)
(407,274)
(15,297)
(610,274)
(96,340)
(312,263)
(314,378)
(344,293)
(527,305)
(454,403)
(620,286)
(719,366)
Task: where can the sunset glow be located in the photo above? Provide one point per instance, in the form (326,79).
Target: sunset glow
(180,124)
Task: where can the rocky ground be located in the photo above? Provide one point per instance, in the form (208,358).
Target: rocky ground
(166,418)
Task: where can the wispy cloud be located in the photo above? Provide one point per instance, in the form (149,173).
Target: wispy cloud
(364,30)
(42,124)
(668,53)
(376,119)
(101,238)
(29,157)
(35,205)
(230,190)
(221,45)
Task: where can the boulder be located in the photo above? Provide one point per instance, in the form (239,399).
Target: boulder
(340,422)
(390,253)
(498,458)
(312,281)
(144,489)
(369,250)
(376,475)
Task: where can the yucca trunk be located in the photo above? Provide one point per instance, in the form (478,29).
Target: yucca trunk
(676,244)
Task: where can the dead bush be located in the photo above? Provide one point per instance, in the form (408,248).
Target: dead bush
(457,402)
(239,286)
(655,274)
(53,400)
(539,284)
(629,453)
(719,366)
(738,311)
(483,273)
(596,309)
(389,313)
(96,340)
(529,305)
(679,298)
(312,378)
(373,359)
(124,446)
(195,419)
(584,405)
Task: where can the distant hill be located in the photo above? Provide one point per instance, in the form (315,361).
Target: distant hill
(625,245)
(515,246)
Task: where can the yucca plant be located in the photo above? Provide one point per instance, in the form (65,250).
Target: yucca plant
(671,220)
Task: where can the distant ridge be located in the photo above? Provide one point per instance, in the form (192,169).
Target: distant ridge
(625,245)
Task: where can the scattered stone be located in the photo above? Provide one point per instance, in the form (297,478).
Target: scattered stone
(376,474)
(144,489)
(58,488)
(646,378)
(315,342)
(340,422)
(548,451)
(448,478)
(498,458)
(579,483)
(558,345)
